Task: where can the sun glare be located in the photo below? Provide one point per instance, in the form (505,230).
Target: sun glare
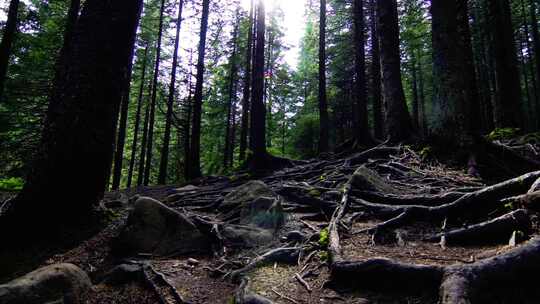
(269,4)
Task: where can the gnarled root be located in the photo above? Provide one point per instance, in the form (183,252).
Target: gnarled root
(496,230)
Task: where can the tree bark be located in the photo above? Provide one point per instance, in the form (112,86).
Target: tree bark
(76,148)
(398,121)
(7,41)
(258,110)
(507,109)
(195,150)
(323,105)
(536,48)
(122,129)
(247,89)
(231,102)
(144,141)
(162,176)
(415,98)
(378,128)
(137,119)
(362,134)
(153,100)
(454,96)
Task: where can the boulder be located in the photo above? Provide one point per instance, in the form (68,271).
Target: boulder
(365,179)
(58,283)
(263,212)
(154,228)
(245,194)
(246,236)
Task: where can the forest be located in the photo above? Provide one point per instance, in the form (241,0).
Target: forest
(269,151)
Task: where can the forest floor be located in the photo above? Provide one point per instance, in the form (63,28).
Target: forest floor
(366,228)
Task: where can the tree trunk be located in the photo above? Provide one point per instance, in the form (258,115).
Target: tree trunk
(195,150)
(122,129)
(137,119)
(507,110)
(453,92)
(362,134)
(534,92)
(378,128)
(162,176)
(144,141)
(76,148)
(323,106)
(231,102)
(422,97)
(7,41)
(258,110)
(415,101)
(398,121)
(247,89)
(536,48)
(153,100)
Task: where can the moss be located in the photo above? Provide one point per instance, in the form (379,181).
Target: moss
(11,184)
(324,238)
(314,193)
(503,133)
(324,256)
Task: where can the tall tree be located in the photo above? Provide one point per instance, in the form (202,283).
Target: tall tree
(153,99)
(162,176)
(122,129)
(323,104)
(378,129)
(536,48)
(258,109)
(195,145)
(507,107)
(246,95)
(8,37)
(362,133)
(78,136)
(137,123)
(398,121)
(454,95)
(231,104)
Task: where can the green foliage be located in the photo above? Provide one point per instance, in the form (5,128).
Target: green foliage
(426,152)
(11,184)
(503,133)
(314,193)
(324,238)
(324,256)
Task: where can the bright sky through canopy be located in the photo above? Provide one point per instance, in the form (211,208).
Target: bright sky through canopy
(293,27)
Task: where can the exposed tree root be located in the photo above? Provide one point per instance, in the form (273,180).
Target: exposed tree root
(286,255)
(462,283)
(496,230)
(470,203)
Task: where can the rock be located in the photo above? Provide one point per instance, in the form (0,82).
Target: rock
(123,274)
(246,193)
(58,283)
(264,212)
(366,179)
(154,228)
(246,236)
